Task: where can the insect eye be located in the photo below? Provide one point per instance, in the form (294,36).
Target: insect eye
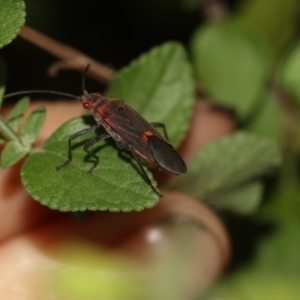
(86,105)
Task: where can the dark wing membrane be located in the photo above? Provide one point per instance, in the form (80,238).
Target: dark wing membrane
(130,130)
(166,156)
(127,119)
(131,127)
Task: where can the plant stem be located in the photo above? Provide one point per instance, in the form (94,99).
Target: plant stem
(70,57)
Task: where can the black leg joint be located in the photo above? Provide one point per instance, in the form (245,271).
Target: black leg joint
(71,138)
(161,125)
(138,160)
(89,144)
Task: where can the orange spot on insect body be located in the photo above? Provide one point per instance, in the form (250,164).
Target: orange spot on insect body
(146,134)
(149,133)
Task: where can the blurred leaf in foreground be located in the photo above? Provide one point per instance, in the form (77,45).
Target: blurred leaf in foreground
(229,167)
(232,66)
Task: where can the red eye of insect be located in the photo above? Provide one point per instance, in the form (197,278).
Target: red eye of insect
(86,105)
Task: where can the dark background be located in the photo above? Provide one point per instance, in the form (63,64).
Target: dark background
(112,31)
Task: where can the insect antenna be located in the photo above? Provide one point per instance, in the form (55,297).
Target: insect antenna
(53,92)
(41,92)
(83,79)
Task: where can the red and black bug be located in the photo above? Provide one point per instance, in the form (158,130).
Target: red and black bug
(129,130)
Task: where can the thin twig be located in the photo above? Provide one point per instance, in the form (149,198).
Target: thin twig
(70,58)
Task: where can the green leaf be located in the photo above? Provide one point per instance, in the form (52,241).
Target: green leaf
(229,163)
(17,113)
(159,85)
(243,199)
(32,126)
(284,242)
(232,66)
(289,75)
(12,16)
(7,133)
(267,122)
(115,184)
(279,252)
(2,78)
(276,21)
(257,285)
(2,90)
(34,123)
(13,153)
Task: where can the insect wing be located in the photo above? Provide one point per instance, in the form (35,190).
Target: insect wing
(166,156)
(146,141)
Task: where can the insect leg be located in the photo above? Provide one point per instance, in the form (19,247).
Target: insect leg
(160,125)
(138,160)
(92,142)
(71,138)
